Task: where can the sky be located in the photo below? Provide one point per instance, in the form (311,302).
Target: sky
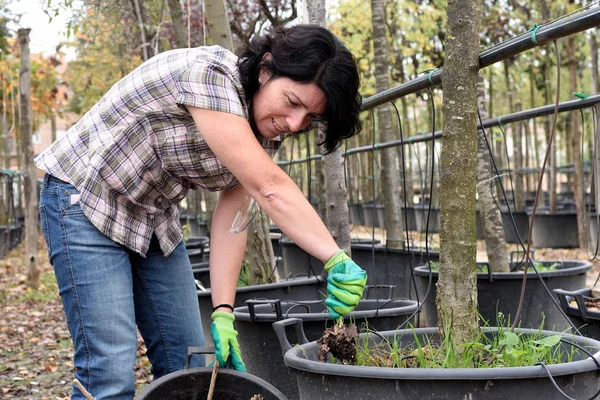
(44,36)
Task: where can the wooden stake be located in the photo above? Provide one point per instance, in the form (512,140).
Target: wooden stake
(85,393)
(213,380)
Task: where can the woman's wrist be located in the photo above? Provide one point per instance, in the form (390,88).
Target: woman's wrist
(223,307)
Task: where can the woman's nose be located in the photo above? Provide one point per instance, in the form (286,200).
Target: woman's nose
(298,121)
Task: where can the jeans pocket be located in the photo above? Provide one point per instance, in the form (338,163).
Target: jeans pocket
(44,224)
(70,201)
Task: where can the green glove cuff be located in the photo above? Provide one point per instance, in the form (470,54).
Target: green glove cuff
(338,257)
(222,315)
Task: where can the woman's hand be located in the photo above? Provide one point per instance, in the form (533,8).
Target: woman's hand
(345,284)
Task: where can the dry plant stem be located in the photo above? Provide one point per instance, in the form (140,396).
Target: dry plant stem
(539,187)
(85,393)
(213,380)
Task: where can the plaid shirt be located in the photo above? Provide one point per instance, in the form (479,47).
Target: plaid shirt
(137,152)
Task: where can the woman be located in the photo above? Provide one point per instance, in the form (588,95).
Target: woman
(186,118)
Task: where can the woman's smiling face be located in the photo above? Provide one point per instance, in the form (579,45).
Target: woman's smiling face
(282,105)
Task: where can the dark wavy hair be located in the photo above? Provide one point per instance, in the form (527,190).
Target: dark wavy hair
(309,54)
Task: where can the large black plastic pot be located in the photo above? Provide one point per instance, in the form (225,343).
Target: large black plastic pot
(4,240)
(15,235)
(500,292)
(521,220)
(202,274)
(197,242)
(194,384)
(408,214)
(259,342)
(586,320)
(297,288)
(555,230)
(316,380)
(200,255)
(355,213)
(391,267)
(421,213)
(373,216)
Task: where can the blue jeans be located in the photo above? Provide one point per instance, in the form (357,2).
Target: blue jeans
(107,290)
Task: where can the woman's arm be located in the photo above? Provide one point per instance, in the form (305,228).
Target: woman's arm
(231,139)
(226,248)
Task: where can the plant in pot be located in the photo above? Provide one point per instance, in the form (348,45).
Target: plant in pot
(574,367)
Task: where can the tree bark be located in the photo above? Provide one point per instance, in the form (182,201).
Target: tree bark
(177,23)
(457,284)
(389,161)
(30,180)
(489,211)
(336,217)
(218,23)
(575,143)
(141,27)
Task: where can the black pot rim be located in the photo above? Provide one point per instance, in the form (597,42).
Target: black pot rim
(407,307)
(272,286)
(293,358)
(237,375)
(581,268)
(378,248)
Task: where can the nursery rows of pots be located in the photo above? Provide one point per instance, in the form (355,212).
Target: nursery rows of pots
(10,236)
(279,324)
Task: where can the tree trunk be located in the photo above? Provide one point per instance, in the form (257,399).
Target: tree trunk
(406,161)
(457,284)
(489,211)
(389,171)
(519,193)
(177,23)
(218,23)
(575,143)
(260,258)
(142,28)
(30,181)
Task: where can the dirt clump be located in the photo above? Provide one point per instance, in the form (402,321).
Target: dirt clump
(340,341)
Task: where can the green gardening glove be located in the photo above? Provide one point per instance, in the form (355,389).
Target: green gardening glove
(225,338)
(345,284)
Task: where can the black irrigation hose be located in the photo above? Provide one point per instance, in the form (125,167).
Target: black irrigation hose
(404,189)
(309,171)
(558,388)
(374,212)
(585,218)
(485,136)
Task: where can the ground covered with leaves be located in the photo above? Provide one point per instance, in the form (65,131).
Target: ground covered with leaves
(35,344)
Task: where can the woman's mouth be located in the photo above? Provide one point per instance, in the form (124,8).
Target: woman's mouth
(277,127)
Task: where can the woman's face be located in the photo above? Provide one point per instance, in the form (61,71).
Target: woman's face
(282,105)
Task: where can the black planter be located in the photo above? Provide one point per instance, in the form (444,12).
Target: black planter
(373,216)
(298,288)
(194,383)
(392,266)
(197,256)
(15,235)
(261,348)
(521,222)
(355,213)
(587,321)
(421,215)
(500,292)
(197,242)
(4,240)
(578,378)
(555,230)
(202,274)
(408,214)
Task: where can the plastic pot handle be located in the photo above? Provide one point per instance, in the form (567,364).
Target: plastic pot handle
(562,295)
(275,302)
(197,350)
(390,291)
(279,328)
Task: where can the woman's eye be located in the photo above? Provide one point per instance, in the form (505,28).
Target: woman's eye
(291,102)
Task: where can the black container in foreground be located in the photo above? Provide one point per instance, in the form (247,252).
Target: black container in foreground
(500,292)
(313,287)
(194,384)
(260,345)
(331,381)
(586,319)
